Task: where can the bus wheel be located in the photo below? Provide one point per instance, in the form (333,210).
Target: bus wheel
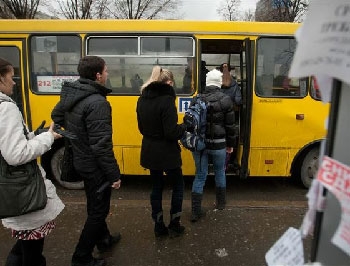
(56,165)
(309,167)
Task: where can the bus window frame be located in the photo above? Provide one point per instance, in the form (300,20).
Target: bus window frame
(287,91)
(50,75)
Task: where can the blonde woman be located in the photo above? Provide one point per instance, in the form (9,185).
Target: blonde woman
(160,151)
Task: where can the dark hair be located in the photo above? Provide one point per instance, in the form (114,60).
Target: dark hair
(89,66)
(5,67)
(221,67)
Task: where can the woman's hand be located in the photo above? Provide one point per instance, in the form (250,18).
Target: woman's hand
(55,135)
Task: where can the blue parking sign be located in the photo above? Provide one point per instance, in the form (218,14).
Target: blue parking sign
(184,103)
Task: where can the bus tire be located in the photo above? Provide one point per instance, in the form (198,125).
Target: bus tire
(309,167)
(56,165)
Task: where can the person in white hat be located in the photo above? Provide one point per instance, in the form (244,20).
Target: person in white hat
(219,136)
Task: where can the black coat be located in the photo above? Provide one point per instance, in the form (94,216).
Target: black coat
(157,122)
(220,119)
(88,115)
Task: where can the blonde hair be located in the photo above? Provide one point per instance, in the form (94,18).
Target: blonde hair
(226,76)
(158,74)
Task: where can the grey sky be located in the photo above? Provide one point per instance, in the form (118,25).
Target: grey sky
(206,9)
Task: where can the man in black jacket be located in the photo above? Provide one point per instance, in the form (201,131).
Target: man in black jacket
(84,110)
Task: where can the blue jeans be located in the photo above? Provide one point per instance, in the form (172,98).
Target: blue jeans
(201,161)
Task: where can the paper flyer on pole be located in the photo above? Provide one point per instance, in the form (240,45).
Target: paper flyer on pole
(287,251)
(324,41)
(335,176)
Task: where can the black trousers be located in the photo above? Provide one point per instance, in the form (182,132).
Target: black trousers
(95,228)
(176,178)
(27,253)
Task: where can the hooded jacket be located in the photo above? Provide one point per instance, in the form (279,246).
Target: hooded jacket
(84,110)
(157,121)
(16,150)
(220,129)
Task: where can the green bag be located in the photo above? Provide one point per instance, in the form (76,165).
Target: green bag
(22,189)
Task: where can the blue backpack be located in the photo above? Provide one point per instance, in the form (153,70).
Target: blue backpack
(196,118)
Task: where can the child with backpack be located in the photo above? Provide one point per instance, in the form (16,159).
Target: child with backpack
(218,139)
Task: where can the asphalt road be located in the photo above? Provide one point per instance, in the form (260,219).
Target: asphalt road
(258,212)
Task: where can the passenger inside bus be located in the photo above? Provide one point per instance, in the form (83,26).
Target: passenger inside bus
(231,88)
(204,72)
(187,84)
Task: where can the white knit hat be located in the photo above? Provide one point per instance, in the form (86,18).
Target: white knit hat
(214,78)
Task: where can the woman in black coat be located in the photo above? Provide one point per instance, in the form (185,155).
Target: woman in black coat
(160,151)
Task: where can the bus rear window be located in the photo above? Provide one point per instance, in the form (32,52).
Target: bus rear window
(273,63)
(54,59)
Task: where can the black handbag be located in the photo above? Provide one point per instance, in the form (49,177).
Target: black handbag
(22,189)
(68,173)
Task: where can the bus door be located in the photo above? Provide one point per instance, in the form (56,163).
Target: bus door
(247,67)
(237,54)
(11,50)
(281,123)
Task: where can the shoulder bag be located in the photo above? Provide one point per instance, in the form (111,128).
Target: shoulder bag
(22,189)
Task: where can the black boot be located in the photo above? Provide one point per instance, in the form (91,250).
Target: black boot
(220,198)
(197,211)
(159,227)
(108,242)
(175,228)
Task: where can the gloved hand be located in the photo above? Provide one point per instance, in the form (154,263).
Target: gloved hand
(188,121)
(40,128)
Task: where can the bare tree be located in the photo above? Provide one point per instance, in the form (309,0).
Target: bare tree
(19,9)
(229,10)
(248,15)
(119,9)
(146,9)
(281,10)
(76,9)
(101,10)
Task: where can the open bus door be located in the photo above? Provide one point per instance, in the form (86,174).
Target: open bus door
(246,108)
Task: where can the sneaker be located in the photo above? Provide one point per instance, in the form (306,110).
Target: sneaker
(107,243)
(94,262)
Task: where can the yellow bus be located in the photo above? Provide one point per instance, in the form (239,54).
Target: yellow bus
(281,120)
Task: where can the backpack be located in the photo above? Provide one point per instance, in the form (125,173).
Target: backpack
(195,118)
